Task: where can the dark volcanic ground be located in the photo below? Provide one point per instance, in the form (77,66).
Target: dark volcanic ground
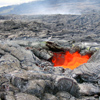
(84,27)
(27,44)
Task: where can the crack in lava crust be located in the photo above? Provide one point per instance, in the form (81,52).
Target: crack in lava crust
(68,60)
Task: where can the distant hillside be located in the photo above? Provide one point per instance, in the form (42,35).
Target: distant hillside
(52,7)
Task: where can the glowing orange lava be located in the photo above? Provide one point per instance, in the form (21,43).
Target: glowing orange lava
(68,60)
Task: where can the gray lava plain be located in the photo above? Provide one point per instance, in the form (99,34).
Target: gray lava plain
(27,44)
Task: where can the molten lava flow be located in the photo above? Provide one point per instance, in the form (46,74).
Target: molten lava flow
(68,60)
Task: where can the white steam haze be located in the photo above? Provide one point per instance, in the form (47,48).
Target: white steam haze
(14,2)
(63,8)
(49,6)
(60,9)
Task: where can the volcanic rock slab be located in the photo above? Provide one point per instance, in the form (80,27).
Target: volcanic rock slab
(26,71)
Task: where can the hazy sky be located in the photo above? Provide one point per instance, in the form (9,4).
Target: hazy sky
(11,2)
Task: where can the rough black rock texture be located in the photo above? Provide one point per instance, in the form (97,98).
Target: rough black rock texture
(30,73)
(26,51)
